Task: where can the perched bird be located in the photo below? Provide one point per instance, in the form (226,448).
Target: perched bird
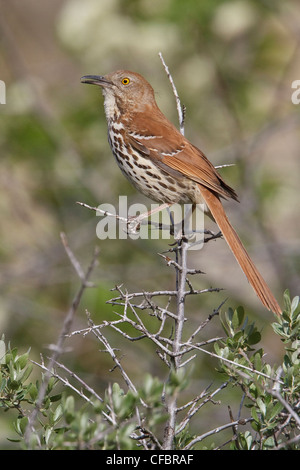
(163,165)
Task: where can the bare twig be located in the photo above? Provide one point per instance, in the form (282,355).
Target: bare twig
(58,347)
(111,352)
(236,365)
(217,430)
(180,109)
(67,383)
(195,407)
(103,212)
(159,293)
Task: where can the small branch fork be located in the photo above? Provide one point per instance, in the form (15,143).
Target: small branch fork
(172,350)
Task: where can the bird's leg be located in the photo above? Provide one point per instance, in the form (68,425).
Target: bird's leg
(133,223)
(186,229)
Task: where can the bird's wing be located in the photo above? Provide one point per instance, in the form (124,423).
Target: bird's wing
(158,139)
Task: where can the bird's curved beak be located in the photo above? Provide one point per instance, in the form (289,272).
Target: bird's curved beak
(96,80)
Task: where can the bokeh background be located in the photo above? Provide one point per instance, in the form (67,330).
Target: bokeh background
(233,62)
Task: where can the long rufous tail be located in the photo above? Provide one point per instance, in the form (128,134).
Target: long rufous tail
(254,277)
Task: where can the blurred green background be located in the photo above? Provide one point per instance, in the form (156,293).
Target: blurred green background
(233,63)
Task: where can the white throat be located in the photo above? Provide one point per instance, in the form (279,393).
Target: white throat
(110,107)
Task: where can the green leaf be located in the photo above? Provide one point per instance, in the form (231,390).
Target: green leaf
(256,360)
(47,434)
(237,317)
(26,373)
(277,327)
(55,398)
(287,300)
(33,392)
(261,406)
(69,407)
(275,410)
(254,414)
(228,317)
(58,413)
(295,303)
(254,337)
(269,443)
(127,405)
(21,425)
(22,360)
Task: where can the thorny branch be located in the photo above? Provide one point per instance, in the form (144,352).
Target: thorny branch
(65,330)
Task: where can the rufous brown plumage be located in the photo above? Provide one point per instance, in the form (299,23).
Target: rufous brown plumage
(161,163)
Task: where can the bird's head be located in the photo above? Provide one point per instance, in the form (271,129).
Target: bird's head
(123,91)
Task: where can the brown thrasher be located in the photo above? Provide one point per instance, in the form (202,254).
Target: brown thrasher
(161,163)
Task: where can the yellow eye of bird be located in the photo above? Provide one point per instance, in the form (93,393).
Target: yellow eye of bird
(125,81)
